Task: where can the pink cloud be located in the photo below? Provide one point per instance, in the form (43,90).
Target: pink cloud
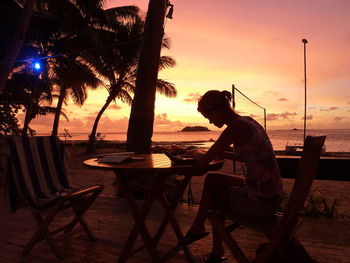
(162,122)
(277,116)
(91,117)
(308,117)
(329,109)
(114,107)
(282,99)
(192,97)
(337,118)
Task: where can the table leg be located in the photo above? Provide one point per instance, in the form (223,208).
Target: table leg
(140,217)
(169,208)
(170,217)
(178,195)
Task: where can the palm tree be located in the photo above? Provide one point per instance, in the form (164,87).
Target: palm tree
(119,64)
(121,70)
(122,88)
(94,29)
(141,120)
(54,25)
(16,40)
(63,30)
(73,77)
(26,89)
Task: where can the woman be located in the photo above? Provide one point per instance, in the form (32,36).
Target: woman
(258,194)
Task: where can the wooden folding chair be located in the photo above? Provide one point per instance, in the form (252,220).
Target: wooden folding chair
(37,176)
(281,227)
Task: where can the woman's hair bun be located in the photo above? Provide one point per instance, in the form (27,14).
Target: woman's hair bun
(214,99)
(226,94)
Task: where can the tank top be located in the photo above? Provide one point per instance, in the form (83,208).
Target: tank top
(263,180)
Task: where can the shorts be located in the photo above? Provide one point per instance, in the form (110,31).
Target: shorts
(240,203)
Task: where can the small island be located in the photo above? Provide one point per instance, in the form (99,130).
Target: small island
(195,128)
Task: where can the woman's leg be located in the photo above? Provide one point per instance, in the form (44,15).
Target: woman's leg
(214,197)
(217,248)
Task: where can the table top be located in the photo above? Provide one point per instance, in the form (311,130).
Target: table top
(156,162)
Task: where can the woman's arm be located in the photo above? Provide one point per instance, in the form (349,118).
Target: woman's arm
(229,155)
(241,134)
(217,149)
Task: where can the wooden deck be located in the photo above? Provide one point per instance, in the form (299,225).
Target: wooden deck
(327,240)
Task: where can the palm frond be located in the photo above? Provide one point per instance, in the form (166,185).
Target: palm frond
(166,88)
(166,62)
(129,87)
(123,12)
(124,96)
(166,43)
(79,96)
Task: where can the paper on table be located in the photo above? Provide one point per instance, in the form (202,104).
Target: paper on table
(119,153)
(116,157)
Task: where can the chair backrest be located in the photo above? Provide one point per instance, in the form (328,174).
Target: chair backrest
(37,170)
(307,169)
(305,174)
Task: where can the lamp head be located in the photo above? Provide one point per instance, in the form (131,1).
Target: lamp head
(304,40)
(37,65)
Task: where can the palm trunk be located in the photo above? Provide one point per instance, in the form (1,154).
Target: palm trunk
(58,111)
(28,118)
(32,101)
(92,136)
(141,120)
(15,43)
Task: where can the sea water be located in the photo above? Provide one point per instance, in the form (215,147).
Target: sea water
(336,140)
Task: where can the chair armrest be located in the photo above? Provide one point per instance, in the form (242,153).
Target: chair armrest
(86,191)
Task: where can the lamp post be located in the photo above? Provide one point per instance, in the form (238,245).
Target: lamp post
(304,42)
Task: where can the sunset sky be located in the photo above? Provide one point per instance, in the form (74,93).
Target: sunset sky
(253,44)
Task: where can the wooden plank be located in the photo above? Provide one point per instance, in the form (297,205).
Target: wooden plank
(110,220)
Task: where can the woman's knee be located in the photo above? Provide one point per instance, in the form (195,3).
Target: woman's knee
(214,179)
(221,179)
(220,198)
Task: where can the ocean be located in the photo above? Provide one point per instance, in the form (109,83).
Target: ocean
(336,141)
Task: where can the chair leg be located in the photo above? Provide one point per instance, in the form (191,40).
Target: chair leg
(79,211)
(43,231)
(52,244)
(226,237)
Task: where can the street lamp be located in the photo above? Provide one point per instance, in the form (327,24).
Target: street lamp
(37,65)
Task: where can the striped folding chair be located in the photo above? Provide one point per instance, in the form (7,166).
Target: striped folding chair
(37,177)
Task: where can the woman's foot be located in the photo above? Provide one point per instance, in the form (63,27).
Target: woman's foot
(191,237)
(210,258)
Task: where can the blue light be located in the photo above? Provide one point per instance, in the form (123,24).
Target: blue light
(37,66)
